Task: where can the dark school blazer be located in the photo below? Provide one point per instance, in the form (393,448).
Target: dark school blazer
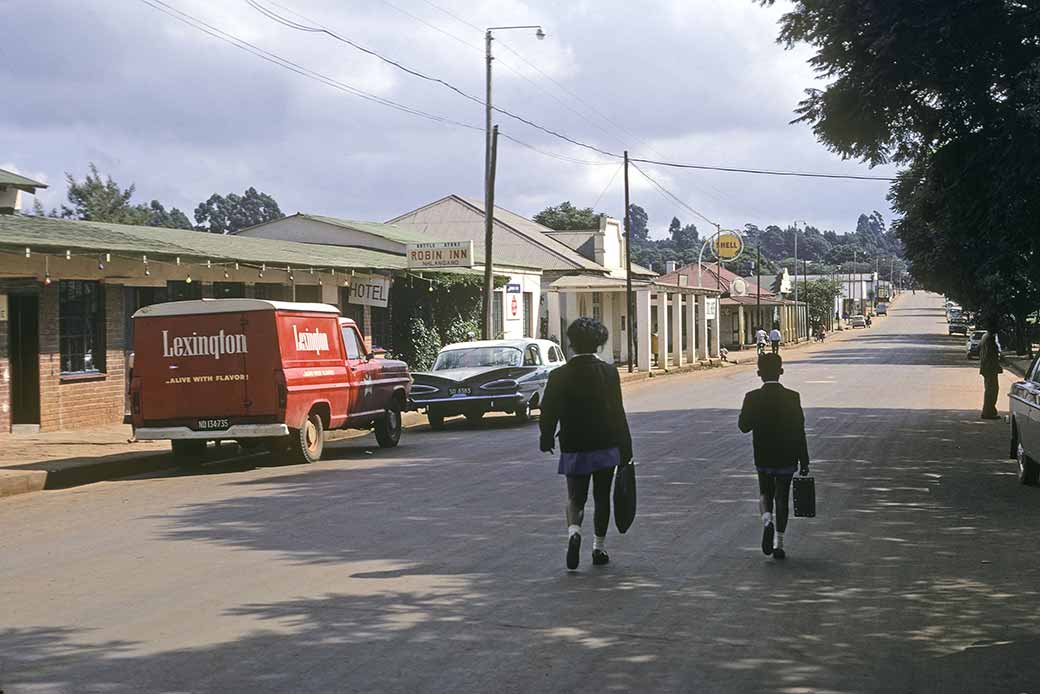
(583,397)
(774,416)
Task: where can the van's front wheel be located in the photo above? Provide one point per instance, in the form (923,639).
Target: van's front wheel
(307,443)
(388,428)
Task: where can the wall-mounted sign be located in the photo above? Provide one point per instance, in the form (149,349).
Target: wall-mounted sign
(514,311)
(440,254)
(512,289)
(738,287)
(3,308)
(727,245)
(711,308)
(369,290)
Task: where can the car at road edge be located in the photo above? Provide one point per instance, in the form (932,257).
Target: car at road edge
(1024,406)
(474,378)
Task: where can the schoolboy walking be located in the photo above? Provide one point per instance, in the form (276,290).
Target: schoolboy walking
(773,414)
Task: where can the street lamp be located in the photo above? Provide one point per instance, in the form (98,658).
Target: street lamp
(489,213)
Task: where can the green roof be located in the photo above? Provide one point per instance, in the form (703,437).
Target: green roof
(10,178)
(22,231)
(386,231)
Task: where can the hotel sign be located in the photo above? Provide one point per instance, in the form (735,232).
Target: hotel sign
(440,254)
(369,290)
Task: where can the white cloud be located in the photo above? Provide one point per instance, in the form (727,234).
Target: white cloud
(183,115)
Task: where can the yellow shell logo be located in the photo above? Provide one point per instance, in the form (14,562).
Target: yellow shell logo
(727,245)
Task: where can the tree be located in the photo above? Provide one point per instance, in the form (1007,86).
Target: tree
(101,200)
(638,220)
(952,93)
(158,216)
(819,296)
(566,216)
(226,215)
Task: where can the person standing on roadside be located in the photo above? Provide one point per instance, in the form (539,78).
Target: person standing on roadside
(773,414)
(583,398)
(775,337)
(989,367)
(760,339)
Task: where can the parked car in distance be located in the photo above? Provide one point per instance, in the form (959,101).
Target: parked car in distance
(474,378)
(261,373)
(882,309)
(974,341)
(1025,424)
(958,326)
(953,314)
(857,321)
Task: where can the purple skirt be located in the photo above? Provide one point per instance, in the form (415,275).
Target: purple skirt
(588,462)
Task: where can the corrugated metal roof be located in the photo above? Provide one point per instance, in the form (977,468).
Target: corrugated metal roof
(455,218)
(22,231)
(10,178)
(386,231)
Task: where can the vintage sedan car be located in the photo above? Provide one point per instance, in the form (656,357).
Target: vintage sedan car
(1025,424)
(857,321)
(974,342)
(959,327)
(473,378)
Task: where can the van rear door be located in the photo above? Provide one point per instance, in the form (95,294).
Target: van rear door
(194,370)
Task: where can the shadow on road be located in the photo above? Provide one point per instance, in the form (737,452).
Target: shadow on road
(937,597)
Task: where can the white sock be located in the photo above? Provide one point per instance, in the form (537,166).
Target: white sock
(573,530)
(778,541)
(767,518)
(599,542)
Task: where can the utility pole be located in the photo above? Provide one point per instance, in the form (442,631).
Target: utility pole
(489,224)
(490,143)
(796,276)
(628,273)
(758,281)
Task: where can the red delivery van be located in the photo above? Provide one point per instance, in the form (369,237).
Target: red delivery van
(260,373)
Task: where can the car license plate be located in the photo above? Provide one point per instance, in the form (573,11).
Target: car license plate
(208,424)
(463,390)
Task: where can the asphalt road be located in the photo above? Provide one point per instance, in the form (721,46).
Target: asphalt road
(438,567)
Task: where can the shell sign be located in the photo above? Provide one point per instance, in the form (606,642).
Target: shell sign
(727,245)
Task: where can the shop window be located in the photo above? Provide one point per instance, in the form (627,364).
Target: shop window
(229,290)
(529,316)
(497,318)
(381,328)
(180,290)
(81,326)
(271,291)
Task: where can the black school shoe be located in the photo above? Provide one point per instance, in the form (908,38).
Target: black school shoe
(573,551)
(599,557)
(779,553)
(767,539)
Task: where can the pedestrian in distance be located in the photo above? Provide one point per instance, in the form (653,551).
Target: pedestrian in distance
(773,414)
(760,339)
(775,337)
(989,367)
(583,399)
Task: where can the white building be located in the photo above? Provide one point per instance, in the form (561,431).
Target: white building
(583,274)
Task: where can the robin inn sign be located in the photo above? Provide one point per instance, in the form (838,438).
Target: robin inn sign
(440,254)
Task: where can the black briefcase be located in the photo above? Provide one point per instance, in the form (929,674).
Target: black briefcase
(804,496)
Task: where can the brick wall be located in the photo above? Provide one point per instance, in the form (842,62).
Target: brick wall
(5,381)
(77,404)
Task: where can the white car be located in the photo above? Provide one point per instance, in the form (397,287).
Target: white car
(473,378)
(857,322)
(974,342)
(1025,424)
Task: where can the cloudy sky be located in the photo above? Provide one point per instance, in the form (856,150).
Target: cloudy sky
(182,114)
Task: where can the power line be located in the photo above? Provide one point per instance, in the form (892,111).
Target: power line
(764,172)
(607,187)
(284,63)
(320,29)
(671,195)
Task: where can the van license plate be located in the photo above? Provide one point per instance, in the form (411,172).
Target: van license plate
(460,391)
(208,424)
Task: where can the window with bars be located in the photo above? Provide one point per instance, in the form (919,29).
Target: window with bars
(498,328)
(597,306)
(81,326)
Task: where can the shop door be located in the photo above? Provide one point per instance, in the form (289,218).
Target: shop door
(24,351)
